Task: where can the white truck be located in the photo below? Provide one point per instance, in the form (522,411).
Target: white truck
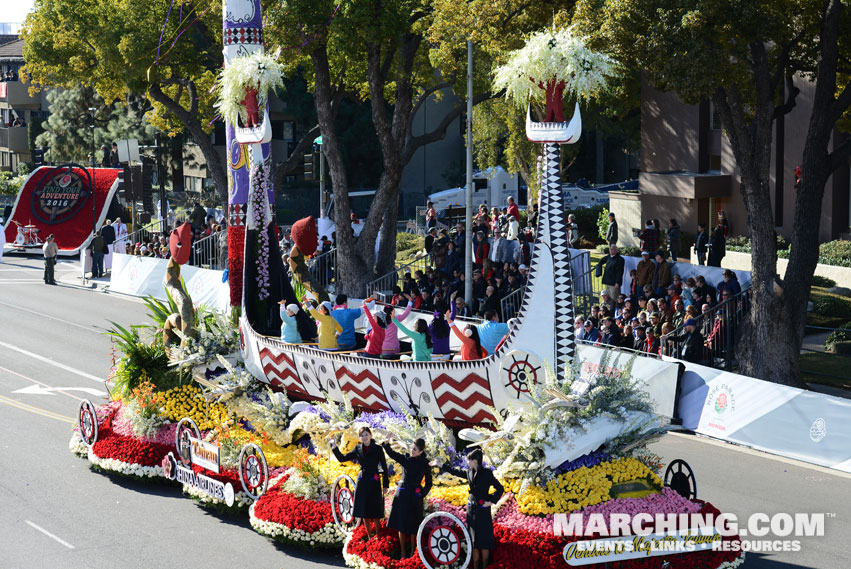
(491,187)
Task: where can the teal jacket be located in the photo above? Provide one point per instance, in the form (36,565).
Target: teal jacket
(422,353)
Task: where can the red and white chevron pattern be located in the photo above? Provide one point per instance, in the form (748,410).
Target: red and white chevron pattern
(364,389)
(280,370)
(468,399)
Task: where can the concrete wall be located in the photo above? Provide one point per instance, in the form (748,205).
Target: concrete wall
(627,210)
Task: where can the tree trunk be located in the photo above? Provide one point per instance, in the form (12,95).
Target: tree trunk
(766,348)
(355,270)
(189,118)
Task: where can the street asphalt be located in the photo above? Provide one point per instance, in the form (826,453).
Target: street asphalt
(56,513)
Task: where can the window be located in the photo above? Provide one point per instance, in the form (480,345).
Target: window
(714,118)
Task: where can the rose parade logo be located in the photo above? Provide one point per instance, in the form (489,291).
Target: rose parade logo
(722,399)
(59,196)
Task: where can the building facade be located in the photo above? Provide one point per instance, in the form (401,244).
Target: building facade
(688,171)
(17,107)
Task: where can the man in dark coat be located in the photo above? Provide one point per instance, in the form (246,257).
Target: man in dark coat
(612,266)
(700,244)
(612,230)
(690,343)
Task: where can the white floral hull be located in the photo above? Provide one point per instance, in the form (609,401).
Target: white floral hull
(240,500)
(127,468)
(77,446)
(328,535)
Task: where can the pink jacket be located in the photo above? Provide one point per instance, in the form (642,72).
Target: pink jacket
(391,338)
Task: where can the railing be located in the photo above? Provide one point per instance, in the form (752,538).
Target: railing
(144,233)
(324,268)
(384,284)
(207,253)
(586,289)
(510,304)
(721,328)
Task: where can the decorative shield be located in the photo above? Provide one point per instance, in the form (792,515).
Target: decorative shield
(253,470)
(680,477)
(87,421)
(343,503)
(446,541)
(520,369)
(185,428)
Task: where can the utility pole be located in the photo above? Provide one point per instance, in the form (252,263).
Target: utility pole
(94,163)
(164,228)
(468,211)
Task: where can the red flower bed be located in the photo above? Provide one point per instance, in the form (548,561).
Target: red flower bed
(382,549)
(283,508)
(225,475)
(236,252)
(129,449)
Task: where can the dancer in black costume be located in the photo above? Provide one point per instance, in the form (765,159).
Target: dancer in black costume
(479,520)
(406,514)
(369,495)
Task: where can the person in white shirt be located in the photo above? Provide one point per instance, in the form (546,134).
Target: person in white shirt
(497,247)
(120,235)
(513,228)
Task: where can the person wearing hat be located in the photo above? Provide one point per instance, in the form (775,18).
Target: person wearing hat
(655,324)
(639,343)
(610,333)
(289,325)
(328,327)
(589,334)
(606,300)
(651,343)
(611,268)
(50,250)
(689,345)
(644,272)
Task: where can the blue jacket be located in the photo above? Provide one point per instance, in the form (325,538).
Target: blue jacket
(289,328)
(490,333)
(346,318)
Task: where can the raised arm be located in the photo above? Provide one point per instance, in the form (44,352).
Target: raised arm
(348,457)
(397,456)
(402,328)
(454,471)
(407,310)
(385,474)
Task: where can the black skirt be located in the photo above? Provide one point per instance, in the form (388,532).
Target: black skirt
(480,525)
(406,515)
(369,498)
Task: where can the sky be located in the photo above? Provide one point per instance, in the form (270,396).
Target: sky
(15,10)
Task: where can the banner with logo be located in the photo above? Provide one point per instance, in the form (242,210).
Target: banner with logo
(60,200)
(787,421)
(145,276)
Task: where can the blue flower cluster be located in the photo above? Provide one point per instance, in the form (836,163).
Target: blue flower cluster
(587,460)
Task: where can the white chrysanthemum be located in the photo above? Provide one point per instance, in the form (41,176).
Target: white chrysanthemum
(258,71)
(559,55)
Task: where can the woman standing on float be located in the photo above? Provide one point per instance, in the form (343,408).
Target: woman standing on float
(372,480)
(406,514)
(479,520)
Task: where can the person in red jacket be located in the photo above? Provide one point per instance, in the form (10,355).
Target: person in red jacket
(513,209)
(375,337)
(471,345)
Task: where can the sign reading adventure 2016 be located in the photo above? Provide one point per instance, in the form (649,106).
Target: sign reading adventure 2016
(59,196)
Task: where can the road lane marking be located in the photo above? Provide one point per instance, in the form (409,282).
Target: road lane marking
(36,410)
(50,535)
(47,390)
(12,372)
(51,362)
(16,307)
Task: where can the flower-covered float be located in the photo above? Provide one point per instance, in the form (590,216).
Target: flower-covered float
(249,434)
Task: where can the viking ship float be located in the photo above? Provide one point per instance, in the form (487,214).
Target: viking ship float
(457,392)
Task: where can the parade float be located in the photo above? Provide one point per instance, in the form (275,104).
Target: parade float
(67,201)
(251,430)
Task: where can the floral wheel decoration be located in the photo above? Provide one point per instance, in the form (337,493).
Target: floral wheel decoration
(87,422)
(519,369)
(253,470)
(680,477)
(446,540)
(343,503)
(185,428)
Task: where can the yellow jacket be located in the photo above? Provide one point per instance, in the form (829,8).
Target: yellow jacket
(328,328)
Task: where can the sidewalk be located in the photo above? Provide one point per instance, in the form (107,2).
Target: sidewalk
(67,272)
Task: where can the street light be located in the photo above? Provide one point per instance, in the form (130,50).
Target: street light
(468,210)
